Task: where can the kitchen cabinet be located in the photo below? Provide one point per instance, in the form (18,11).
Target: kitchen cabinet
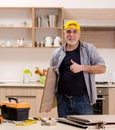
(2,93)
(15,25)
(28,94)
(111,101)
(30,25)
(19,25)
(51,24)
(97,25)
(108,96)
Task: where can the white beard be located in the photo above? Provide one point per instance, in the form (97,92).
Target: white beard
(71,43)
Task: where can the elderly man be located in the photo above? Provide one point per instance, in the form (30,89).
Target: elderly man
(76,64)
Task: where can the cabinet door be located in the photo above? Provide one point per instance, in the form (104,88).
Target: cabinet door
(97,25)
(26,95)
(2,94)
(100,36)
(111,101)
(32,96)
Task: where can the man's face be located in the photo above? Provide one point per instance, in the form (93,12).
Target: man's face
(71,36)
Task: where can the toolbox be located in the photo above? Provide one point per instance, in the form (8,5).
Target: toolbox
(14,110)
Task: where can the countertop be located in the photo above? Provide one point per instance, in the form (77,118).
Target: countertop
(38,84)
(19,84)
(109,85)
(60,126)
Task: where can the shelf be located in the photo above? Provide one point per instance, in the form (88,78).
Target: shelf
(48,28)
(12,47)
(21,22)
(13,27)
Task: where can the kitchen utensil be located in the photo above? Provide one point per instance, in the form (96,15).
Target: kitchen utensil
(52,20)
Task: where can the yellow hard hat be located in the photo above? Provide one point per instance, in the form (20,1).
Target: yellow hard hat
(72,24)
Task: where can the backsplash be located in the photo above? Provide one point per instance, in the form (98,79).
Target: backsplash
(14,60)
(108,55)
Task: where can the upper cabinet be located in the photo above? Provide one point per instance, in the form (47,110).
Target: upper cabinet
(15,27)
(43,26)
(31,27)
(97,25)
(48,27)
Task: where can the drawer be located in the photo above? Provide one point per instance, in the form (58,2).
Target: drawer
(20,91)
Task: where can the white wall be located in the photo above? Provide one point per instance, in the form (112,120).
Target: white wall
(109,57)
(61,3)
(14,61)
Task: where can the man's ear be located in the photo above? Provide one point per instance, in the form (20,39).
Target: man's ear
(64,32)
(79,34)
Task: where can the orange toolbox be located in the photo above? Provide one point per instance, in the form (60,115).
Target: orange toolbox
(14,110)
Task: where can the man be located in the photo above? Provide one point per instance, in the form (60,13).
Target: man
(76,64)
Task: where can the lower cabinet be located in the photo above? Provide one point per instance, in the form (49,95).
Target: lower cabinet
(31,95)
(112,101)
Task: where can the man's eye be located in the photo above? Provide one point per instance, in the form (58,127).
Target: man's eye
(71,31)
(68,31)
(74,31)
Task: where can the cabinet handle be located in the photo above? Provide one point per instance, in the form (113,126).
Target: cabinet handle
(101,98)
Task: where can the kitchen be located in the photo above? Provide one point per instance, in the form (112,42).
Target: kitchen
(15,60)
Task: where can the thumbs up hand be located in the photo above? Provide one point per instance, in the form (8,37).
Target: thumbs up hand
(73,62)
(75,68)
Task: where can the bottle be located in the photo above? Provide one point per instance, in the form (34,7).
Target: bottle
(39,21)
(26,76)
(21,43)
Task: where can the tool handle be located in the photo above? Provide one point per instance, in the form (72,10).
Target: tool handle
(12,98)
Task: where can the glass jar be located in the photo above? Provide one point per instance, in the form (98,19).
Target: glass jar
(26,75)
(26,78)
